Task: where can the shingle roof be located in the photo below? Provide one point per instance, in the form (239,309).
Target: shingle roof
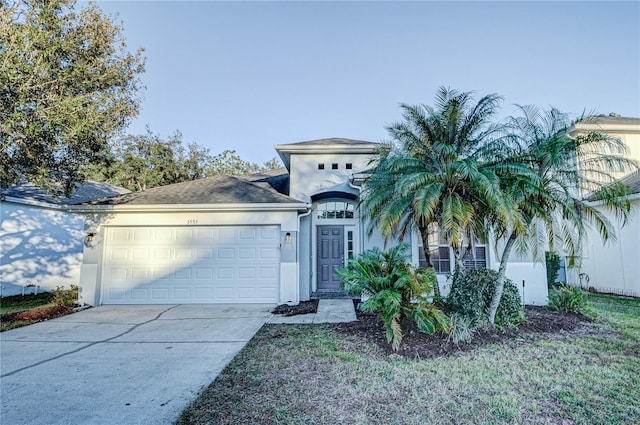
(85,192)
(211,190)
(603,119)
(332,141)
(277,179)
(633,181)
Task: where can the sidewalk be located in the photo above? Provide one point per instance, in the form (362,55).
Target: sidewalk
(329,311)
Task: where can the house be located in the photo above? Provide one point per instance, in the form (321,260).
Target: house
(268,238)
(614,266)
(625,129)
(41,241)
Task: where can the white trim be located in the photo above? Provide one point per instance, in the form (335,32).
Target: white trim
(190,207)
(337,148)
(33,203)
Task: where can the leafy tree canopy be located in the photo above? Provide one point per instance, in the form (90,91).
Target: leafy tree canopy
(67,83)
(139,162)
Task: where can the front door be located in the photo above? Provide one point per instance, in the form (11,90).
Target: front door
(330,256)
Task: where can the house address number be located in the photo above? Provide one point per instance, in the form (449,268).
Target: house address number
(192,221)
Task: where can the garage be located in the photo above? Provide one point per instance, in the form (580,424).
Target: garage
(191,264)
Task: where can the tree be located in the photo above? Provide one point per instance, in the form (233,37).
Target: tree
(67,83)
(272,164)
(140,162)
(228,162)
(432,175)
(550,195)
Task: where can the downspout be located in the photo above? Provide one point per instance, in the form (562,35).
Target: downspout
(309,210)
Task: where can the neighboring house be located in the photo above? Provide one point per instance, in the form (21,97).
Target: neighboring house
(268,238)
(626,129)
(613,266)
(41,242)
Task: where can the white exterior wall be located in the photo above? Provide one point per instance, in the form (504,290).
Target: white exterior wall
(306,180)
(535,290)
(528,270)
(614,266)
(91,277)
(39,246)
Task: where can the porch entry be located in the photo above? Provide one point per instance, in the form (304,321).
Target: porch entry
(330,252)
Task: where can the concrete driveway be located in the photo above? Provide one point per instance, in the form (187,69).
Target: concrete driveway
(119,364)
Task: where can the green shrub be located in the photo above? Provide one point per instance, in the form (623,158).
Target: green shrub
(552,260)
(471,295)
(395,290)
(65,297)
(568,299)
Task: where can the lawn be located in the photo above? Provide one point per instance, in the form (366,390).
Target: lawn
(319,374)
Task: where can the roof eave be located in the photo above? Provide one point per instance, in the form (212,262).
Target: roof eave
(337,148)
(34,203)
(582,127)
(293,206)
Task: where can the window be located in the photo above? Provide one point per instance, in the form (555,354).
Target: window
(348,166)
(334,166)
(617,150)
(475,258)
(442,257)
(320,166)
(350,245)
(337,209)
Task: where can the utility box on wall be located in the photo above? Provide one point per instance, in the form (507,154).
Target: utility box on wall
(288,245)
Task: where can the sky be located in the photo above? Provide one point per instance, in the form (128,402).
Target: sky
(250,75)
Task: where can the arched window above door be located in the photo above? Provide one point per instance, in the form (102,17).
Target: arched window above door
(335,209)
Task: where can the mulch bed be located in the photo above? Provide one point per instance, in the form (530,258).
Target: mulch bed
(37,314)
(304,307)
(540,320)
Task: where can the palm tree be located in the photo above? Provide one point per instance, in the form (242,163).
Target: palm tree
(433,174)
(549,197)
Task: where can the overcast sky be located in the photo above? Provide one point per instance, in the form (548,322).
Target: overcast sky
(249,75)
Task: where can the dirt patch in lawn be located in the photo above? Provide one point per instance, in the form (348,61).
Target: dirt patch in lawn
(39,314)
(304,307)
(540,320)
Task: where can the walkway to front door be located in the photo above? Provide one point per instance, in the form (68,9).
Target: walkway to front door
(330,255)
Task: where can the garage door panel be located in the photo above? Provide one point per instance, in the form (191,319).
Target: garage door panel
(191,265)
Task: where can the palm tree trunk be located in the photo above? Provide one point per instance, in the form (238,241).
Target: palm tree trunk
(424,233)
(497,295)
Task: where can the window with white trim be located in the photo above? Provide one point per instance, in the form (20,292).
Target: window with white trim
(442,256)
(335,209)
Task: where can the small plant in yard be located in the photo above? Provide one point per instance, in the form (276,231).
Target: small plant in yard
(65,297)
(395,290)
(568,299)
(462,329)
(471,294)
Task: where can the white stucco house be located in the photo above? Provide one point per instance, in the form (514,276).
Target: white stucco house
(41,241)
(614,266)
(267,238)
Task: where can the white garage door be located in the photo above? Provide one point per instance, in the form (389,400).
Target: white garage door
(159,265)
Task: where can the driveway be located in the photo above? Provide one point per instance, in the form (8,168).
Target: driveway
(119,364)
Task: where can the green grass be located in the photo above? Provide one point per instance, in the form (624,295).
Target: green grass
(18,303)
(310,374)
